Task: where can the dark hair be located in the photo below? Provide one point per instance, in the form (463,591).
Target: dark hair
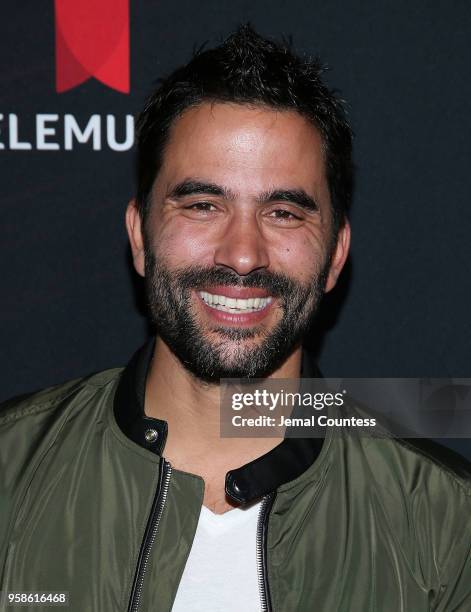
(248,69)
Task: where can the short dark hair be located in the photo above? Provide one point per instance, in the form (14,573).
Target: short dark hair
(248,69)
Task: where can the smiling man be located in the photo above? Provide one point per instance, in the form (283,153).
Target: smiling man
(232,214)
(118,490)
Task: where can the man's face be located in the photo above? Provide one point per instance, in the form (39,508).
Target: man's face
(238,241)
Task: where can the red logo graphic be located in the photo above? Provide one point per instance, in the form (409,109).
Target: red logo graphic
(92,40)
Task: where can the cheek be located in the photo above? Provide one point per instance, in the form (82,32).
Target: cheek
(300,257)
(182,245)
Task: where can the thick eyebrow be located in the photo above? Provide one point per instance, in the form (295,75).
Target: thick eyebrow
(194,187)
(295,196)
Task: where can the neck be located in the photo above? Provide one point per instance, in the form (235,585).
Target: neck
(191,409)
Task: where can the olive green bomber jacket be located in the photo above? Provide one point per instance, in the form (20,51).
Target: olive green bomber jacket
(89,506)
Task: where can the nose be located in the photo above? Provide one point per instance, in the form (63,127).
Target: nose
(242,246)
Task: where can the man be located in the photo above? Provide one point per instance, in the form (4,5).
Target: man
(118,489)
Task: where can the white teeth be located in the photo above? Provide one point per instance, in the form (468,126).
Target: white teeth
(227,304)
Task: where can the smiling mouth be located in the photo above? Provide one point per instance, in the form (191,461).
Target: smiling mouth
(234,305)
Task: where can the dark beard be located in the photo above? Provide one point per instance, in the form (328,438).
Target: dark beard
(169,301)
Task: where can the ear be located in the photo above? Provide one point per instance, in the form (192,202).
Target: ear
(134,229)
(339,257)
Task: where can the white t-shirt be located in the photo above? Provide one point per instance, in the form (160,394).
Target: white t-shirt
(220,574)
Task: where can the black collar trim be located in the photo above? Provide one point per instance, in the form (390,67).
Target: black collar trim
(129,403)
(284,463)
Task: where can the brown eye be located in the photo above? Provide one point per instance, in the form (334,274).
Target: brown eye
(203,206)
(283,214)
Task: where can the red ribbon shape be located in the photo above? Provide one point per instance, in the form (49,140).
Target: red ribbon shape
(92,40)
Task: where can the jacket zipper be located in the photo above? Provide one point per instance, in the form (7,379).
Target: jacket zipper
(262,567)
(165,470)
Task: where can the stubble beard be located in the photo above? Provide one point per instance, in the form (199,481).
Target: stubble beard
(224,351)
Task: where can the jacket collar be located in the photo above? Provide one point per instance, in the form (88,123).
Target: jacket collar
(284,463)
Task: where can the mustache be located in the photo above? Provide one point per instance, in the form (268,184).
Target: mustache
(199,277)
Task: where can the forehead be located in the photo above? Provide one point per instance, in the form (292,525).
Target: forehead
(244,147)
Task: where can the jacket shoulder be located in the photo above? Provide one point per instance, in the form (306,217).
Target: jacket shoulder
(31,423)
(402,457)
(425,490)
(49,398)
(441,458)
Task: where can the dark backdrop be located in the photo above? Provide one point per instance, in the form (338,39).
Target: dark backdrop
(69,302)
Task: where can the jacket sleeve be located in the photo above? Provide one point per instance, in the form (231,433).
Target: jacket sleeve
(28,425)
(455,594)
(21,432)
